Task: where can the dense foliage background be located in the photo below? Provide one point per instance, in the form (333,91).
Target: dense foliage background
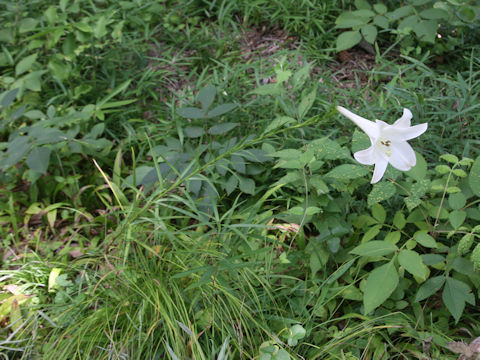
(176,182)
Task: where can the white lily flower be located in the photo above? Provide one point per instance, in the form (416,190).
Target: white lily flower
(389,142)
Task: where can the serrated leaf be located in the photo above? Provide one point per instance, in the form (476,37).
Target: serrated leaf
(412,262)
(374,248)
(369,33)
(381,283)
(430,287)
(222,128)
(38,159)
(221,109)
(380,192)
(454,296)
(348,39)
(25,64)
(347,172)
(206,96)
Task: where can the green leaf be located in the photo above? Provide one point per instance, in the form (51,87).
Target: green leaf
(409,22)
(221,109)
(25,64)
(412,262)
(474,177)
(278,122)
(33,81)
(419,171)
(374,248)
(38,159)
(360,141)
(193,131)
(222,128)
(399,220)
(380,8)
(369,33)
(348,39)
(206,96)
(362,5)
(379,213)
(83,27)
(457,201)
(426,30)
(434,14)
(51,15)
(306,103)
(325,148)
(381,283)
(238,164)
(348,20)
(347,172)
(380,192)
(26,25)
(449,158)
(191,113)
(287,154)
(268,89)
(100,29)
(381,21)
(231,184)
(401,12)
(430,287)
(247,185)
(296,332)
(300,77)
(457,218)
(425,240)
(52,278)
(466,13)
(454,296)
(9,97)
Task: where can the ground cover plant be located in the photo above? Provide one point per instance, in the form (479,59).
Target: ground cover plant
(177,182)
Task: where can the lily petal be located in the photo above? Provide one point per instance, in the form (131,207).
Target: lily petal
(380,167)
(369,127)
(404,133)
(404,121)
(403,157)
(366,157)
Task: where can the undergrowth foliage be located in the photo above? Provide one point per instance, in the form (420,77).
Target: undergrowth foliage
(164,195)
